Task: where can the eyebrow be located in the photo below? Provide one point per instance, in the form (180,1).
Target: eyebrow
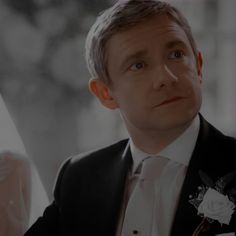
(175,43)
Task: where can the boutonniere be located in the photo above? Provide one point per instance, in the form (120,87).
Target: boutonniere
(214,201)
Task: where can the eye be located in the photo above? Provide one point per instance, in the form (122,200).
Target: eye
(137,66)
(177,54)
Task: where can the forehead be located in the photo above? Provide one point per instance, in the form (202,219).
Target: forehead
(157,29)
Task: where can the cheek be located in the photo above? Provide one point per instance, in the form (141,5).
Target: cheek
(187,67)
(189,76)
(193,91)
(195,95)
(127,97)
(191,85)
(134,90)
(132,100)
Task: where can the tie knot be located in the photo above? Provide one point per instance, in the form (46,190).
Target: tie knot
(152,167)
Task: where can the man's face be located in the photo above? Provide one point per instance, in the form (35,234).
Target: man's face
(155,76)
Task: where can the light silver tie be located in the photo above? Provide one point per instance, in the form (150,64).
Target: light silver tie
(139,212)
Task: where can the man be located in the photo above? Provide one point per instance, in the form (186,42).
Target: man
(144,61)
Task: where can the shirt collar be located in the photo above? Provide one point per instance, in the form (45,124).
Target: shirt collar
(180,150)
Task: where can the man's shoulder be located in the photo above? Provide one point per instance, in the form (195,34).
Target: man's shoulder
(225,141)
(219,147)
(82,167)
(98,154)
(215,135)
(94,158)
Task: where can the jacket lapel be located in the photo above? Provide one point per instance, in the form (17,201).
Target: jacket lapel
(111,186)
(205,158)
(117,184)
(93,208)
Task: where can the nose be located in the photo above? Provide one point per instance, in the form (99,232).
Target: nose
(164,77)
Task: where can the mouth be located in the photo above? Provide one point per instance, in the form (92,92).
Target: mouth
(168,101)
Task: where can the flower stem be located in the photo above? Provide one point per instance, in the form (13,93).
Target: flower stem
(203,225)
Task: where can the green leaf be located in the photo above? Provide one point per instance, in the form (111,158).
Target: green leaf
(228,178)
(206,179)
(232,193)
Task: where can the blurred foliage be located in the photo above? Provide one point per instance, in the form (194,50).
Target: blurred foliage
(43,77)
(43,40)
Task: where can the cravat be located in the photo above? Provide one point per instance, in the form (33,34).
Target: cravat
(139,212)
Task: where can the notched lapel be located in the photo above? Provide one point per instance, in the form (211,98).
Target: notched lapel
(207,158)
(186,218)
(110,204)
(93,187)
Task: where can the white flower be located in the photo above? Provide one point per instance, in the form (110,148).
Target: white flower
(216,206)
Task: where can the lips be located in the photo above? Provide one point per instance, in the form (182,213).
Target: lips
(170,100)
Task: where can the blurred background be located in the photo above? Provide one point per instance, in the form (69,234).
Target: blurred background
(43,77)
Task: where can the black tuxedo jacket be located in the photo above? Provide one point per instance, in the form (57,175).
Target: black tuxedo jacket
(89,190)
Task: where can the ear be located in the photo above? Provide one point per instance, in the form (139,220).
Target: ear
(98,88)
(199,66)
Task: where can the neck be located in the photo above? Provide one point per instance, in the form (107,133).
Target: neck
(152,141)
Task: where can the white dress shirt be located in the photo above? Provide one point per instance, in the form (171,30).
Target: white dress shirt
(169,185)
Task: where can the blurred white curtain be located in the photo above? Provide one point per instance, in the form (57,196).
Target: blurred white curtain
(22,195)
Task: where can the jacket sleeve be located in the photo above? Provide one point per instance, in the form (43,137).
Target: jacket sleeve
(48,224)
